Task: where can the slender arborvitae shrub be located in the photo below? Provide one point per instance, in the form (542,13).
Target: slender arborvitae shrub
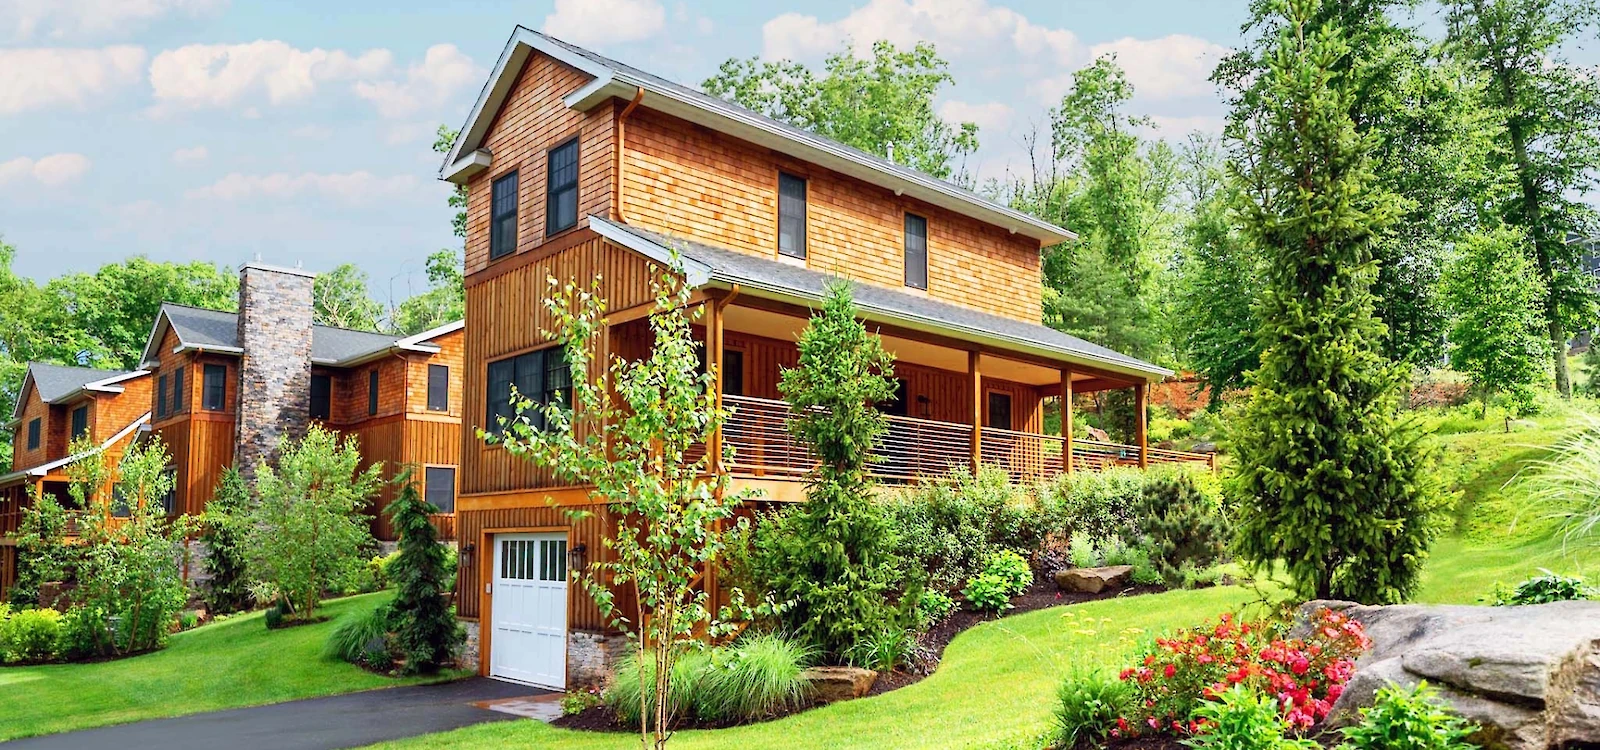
(1330,482)
(423,620)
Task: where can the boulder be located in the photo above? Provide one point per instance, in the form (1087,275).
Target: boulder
(834,684)
(1094,580)
(1529,676)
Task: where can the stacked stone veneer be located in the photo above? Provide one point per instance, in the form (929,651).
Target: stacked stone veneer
(275,318)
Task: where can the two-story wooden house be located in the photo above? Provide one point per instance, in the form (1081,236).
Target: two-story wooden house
(56,407)
(579,167)
(227,386)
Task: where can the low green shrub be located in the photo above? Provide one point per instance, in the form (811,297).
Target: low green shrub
(883,650)
(988,592)
(1401,719)
(361,638)
(751,679)
(1542,589)
(1243,719)
(933,607)
(1088,705)
(1011,568)
(1095,504)
(1181,520)
(1087,553)
(947,528)
(578,701)
(30,635)
(274,615)
(83,634)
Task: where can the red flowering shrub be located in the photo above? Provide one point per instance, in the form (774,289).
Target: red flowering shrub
(1305,676)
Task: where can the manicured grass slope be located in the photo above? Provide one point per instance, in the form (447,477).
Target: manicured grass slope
(226,665)
(996,687)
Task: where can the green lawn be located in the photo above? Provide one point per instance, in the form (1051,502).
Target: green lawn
(996,687)
(225,665)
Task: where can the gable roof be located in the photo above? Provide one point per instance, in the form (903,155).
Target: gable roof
(708,265)
(56,383)
(615,79)
(44,469)
(218,331)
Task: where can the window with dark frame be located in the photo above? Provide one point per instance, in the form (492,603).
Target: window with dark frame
(541,376)
(791,216)
(179,402)
(916,252)
(321,397)
(503,217)
(372,392)
(439,487)
(161,396)
(999,411)
(438,387)
(34,427)
(561,188)
(213,387)
(80,422)
(732,372)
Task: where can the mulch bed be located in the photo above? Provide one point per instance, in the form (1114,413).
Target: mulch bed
(930,647)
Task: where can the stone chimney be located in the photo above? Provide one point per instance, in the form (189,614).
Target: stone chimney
(275,317)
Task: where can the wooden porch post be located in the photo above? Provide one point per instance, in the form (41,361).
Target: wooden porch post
(976,373)
(1066,420)
(1141,408)
(714,361)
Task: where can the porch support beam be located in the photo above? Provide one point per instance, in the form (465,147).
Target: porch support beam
(1066,420)
(975,372)
(1141,393)
(714,332)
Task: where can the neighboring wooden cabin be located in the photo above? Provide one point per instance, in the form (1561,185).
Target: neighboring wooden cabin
(399,396)
(56,406)
(580,168)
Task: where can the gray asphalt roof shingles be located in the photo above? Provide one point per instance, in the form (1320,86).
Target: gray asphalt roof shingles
(56,381)
(745,268)
(201,327)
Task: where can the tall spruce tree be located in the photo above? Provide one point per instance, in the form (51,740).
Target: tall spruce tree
(1329,484)
(421,616)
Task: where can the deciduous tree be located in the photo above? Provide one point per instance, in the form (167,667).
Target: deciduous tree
(1498,301)
(339,298)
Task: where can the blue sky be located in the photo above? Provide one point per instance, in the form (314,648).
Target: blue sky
(300,131)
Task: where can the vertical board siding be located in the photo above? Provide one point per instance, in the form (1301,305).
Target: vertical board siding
(505,316)
(582,614)
(451,351)
(533,120)
(686,180)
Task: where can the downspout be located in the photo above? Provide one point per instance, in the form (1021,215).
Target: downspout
(616,170)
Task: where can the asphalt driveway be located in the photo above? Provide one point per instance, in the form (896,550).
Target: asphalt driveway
(337,721)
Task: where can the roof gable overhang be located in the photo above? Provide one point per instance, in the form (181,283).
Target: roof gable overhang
(466,158)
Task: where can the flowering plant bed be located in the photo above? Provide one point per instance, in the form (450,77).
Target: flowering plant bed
(1303,675)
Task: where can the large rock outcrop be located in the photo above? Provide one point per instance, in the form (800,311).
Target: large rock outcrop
(1529,676)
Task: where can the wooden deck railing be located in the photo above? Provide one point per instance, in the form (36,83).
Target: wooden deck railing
(757,430)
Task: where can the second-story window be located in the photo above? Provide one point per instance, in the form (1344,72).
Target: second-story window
(214,387)
(916,252)
(180,402)
(161,396)
(80,422)
(438,388)
(321,397)
(791,216)
(541,376)
(372,392)
(34,427)
(561,200)
(503,217)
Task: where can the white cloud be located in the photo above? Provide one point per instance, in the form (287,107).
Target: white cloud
(1171,67)
(401,133)
(221,75)
(349,187)
(593,22)
(185,155)
(990,117)
(54,170)
(40,78)
(443,72)
(67,19)
(957,27)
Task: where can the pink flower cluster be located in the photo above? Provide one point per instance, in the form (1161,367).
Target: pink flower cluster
(1305,675)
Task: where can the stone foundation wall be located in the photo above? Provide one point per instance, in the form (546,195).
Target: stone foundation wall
(591,656)
(467,657)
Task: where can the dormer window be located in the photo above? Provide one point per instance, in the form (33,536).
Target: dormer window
(791,216)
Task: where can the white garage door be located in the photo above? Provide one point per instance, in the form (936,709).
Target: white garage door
(529,606)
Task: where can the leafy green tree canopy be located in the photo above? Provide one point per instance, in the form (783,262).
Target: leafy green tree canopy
(1498,301)
(340,299)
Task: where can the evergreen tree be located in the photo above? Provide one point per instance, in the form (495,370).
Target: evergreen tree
(835,562)
(229,587)
(1328,483)
(1495,293)
(1218,281)
(423,621)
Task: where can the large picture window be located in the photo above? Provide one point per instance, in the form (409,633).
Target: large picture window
(561,199)
(503,217)
(916,252)
(791,216)
(542,376)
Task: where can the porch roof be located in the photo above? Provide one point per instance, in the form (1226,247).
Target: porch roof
(708,265)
